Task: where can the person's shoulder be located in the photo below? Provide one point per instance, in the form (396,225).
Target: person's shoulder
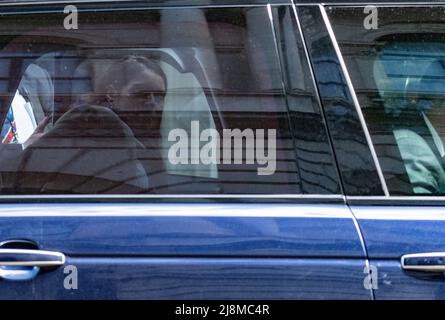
(411,144)
(85,109)
(94,115)
(407,134)
(88,122)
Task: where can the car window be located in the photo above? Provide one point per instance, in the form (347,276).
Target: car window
(171,101)
(397,66)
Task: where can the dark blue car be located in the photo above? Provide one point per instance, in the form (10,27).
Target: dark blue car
(222,149)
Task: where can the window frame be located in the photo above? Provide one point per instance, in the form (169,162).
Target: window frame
(36,7)
(387,198)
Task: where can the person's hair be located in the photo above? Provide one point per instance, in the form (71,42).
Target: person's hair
(121,72)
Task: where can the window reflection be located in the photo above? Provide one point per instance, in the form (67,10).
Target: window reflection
(102,102)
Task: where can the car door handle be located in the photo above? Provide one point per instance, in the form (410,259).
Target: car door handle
(427,262)
(31,258)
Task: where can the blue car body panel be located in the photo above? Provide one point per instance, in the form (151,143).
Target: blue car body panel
(393,231)
(202,251)
(201,278)
(395,284)
(186,229)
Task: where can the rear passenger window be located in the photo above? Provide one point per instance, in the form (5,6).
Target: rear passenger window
(171,101)
(396,60)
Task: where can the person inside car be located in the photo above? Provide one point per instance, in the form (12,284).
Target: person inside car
(136,95)
(93,133)
(421,144)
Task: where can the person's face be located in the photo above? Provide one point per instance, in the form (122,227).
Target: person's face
(144,93)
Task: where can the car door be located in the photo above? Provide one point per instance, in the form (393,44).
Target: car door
(392,56)
(105,199)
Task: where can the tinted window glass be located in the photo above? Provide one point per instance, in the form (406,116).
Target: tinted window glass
(397,64)
(160,101)
(355,162)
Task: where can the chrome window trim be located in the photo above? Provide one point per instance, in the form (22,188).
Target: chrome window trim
(378,4)
(107,210)
(105,197)
(177,196)
(398,207)
(193,199)
(297,3)
(157,6)
(382,199)
(148,5)
(396,198)
(354,99)
(308,60)
(318,98)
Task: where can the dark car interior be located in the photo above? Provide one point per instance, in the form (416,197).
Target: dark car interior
(215,74)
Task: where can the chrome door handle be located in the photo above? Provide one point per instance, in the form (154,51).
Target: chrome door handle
(427,262)
(30,258)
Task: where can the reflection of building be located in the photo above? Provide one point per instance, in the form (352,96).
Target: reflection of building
(398,74)
(223,69)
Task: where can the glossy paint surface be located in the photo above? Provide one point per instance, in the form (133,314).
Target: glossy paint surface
(206,251)
(207,278)
(394,284)
(185,229)
(393,231)
(198,278)
(193,251)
